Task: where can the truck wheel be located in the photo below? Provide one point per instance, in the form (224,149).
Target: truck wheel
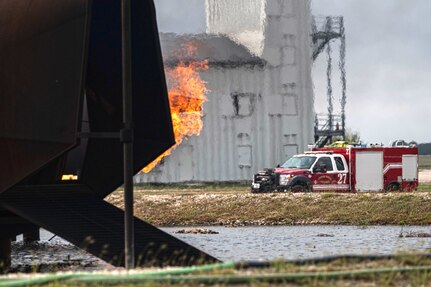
(298,188)
(393,186)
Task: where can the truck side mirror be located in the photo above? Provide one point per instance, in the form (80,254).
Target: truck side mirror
(278,165)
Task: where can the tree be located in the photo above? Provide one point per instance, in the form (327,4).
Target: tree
(424,148)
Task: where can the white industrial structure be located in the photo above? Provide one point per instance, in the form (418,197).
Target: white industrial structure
(260,105)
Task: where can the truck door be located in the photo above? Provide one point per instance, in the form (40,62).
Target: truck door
(330,174)
(343,179)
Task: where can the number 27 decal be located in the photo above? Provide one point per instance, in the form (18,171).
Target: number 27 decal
(342,177)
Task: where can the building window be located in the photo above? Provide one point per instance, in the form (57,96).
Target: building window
(244,156)
(243,104)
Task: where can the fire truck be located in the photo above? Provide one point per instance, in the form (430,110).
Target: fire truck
(347,169)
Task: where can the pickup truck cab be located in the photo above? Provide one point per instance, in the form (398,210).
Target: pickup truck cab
(318,171)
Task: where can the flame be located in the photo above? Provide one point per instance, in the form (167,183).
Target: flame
(186,97)
(67,177)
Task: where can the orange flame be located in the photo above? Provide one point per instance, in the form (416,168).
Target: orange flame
(186,97)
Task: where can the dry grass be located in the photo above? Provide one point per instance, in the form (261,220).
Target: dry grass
(238,207)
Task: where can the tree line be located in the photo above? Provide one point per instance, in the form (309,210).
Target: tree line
(424,148)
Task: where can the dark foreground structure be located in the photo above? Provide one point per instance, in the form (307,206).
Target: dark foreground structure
(61,113)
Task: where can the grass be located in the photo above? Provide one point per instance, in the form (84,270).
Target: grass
(313,274)
(191,188)
(236,206)
(425,162)
(424,187)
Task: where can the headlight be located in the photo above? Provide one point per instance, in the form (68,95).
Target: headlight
(284,179)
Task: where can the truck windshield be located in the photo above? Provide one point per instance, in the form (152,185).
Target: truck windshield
(299,162)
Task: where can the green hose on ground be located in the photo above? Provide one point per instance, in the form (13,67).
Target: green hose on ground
(96,277)
(176,276)
(172,272)
(37,281)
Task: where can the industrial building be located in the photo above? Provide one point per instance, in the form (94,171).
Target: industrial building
(260,100)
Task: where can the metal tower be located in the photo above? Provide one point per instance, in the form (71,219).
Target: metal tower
(326,30)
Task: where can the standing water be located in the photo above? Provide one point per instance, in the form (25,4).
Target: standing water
(298,242)
(251,243)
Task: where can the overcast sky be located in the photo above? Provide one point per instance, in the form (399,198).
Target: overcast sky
(181,16)
(388,62)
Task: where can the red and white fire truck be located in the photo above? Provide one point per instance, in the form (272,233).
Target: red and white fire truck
(345,169)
